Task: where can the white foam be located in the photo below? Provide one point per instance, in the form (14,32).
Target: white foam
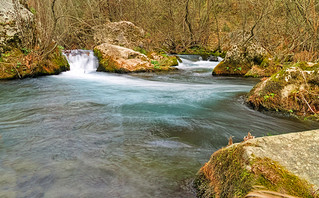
(190,65)
(81,62)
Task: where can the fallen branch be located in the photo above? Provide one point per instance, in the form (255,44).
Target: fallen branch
(303,97)
(17,72)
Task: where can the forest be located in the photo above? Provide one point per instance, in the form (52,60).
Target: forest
(287,29)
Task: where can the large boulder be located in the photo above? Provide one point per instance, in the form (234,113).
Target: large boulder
(123,33)
(240,59)
(294,90)
(12,16)
(283,166)
(117,59)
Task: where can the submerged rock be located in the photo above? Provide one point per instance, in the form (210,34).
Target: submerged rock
(294,90)
(275,166)
(113,58)
(240,59)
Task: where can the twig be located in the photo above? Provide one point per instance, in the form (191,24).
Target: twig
(307,104)
(17,72)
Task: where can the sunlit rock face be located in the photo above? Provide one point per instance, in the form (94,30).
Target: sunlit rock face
(117,59)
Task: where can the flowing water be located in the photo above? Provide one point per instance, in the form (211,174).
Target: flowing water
(89,134)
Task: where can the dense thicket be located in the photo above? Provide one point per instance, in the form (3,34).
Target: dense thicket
(285,28)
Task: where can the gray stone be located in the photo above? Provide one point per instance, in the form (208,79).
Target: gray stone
(10,11)
(297,152)
(123,33)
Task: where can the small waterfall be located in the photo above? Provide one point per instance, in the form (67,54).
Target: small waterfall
(81,61)
(196,62)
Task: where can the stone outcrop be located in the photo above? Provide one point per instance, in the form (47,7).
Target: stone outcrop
(113,58)
(293,90)
(240,59)
(15,64)
(16,60)
(274,166)
(11,13)
(123,33)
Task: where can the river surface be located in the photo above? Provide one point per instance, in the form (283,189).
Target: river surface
(89,134)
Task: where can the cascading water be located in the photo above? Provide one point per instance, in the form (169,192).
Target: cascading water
(81,62)
(196,62)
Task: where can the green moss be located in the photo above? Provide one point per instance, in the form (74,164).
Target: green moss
(98,53)
(231,69)
(227,175)
(106,64)
(199,50)
(141,50)
(60,60)
(274,177)
(17,66)
(226,172)
(168,61)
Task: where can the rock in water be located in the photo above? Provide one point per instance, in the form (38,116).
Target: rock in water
(113,58)
(213,58)
(293,90)
(274,166)
(240,59)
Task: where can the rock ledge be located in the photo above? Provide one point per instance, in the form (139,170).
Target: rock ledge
(280,166)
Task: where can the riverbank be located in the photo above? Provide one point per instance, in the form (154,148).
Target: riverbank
(283,166)
(15,64)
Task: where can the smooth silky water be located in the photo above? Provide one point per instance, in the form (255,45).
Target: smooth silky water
(89,134)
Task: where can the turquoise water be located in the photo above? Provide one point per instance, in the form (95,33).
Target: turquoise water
(88,134)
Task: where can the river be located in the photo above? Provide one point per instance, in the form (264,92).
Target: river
(89,134)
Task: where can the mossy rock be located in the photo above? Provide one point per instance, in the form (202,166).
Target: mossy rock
(293,90)
(169,61)
(162,59)
(116,59)
(240,59)
(231,69)
(234,172)
(267,68)
(203,51)
(16,64)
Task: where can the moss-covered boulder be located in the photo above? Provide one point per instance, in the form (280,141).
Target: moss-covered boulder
(293,90)
(163,60)
(240,59)
(226,68)
(16,64)
(267,68)
(275,166)
(113,58)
